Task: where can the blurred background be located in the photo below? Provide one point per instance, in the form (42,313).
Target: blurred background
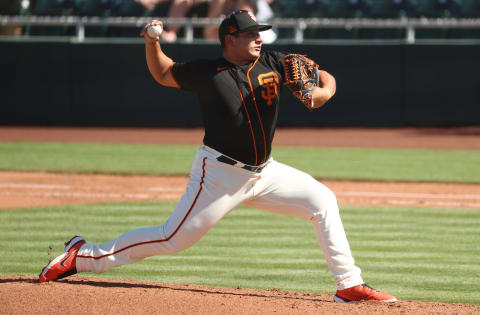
(397,62)
(281,12)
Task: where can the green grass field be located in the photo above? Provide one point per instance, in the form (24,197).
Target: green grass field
(414,253)
(423,254)
(331,163)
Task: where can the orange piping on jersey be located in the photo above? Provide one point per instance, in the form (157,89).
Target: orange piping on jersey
(174,79)
(248,116)
(256,108)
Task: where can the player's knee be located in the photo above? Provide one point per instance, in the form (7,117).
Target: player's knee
(325,202)
(330,196)
(323,194)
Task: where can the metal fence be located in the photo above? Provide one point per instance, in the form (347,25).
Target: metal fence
(299,25)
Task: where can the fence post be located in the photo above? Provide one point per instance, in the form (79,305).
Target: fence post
(189,32)
(410,33)
(299,28)
(80,28)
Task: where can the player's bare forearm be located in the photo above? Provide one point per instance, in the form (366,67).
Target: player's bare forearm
(325,91)
(158,63)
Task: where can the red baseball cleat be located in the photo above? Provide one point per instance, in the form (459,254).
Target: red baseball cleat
(64,265)
(362,293)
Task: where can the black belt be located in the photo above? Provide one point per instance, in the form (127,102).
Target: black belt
(227,160)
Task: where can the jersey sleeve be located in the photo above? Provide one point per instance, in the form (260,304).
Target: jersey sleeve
(275,59)
(188,74)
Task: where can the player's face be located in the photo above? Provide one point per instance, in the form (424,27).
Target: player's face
(248,45)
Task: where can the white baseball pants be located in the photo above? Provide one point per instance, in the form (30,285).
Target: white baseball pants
(216,188)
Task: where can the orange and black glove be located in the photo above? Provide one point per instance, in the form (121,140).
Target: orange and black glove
(301,76)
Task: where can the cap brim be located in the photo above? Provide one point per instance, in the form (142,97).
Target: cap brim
(258,27)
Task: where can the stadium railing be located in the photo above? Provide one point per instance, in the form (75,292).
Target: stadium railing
(299,25)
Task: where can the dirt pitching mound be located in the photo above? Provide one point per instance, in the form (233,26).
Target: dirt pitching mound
(86,295)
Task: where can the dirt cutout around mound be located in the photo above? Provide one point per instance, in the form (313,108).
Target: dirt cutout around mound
(24,189)
(461,138)
(22,294)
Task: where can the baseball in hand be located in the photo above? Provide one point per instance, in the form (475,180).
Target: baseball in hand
(154,30)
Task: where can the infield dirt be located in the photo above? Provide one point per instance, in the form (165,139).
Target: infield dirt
(22,294)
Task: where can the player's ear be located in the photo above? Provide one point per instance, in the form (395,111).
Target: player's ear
(229,40)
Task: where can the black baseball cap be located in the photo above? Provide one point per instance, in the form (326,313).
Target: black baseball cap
(239,22)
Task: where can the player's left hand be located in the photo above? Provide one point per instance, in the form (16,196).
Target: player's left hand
(301,77)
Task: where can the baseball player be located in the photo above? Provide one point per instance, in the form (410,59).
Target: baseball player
(239,97)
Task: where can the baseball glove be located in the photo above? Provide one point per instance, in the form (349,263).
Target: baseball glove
(301,76)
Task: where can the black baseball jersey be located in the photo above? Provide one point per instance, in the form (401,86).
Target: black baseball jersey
(239,104)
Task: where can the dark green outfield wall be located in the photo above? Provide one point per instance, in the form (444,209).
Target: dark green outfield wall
(64,83)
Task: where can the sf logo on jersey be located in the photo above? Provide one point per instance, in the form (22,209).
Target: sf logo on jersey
(269,83)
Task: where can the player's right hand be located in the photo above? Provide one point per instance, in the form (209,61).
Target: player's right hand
(145,35)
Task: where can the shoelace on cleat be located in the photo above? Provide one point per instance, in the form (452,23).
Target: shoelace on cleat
(369,287)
